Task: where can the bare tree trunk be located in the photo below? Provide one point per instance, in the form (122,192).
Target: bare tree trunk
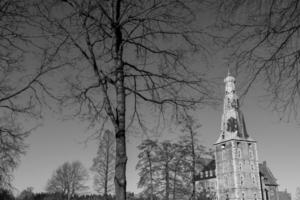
(151,175)
(174,183)
(121,156)
(193,164)
(106,171)
(167,181)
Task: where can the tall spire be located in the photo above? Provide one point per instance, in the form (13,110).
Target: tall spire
(228,73)
(233,124)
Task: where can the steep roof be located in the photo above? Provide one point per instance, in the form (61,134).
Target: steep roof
(233,124)
(210,167)
(269,178)
(208,171)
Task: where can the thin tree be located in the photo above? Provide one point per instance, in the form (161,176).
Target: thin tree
(68,179)
(127,54)
(147,166)
(103,164)
(179,176)
(189,143)
(166,155)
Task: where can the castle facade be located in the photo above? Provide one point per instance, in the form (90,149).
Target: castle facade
(235,172)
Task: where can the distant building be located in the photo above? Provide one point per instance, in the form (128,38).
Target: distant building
(235,173)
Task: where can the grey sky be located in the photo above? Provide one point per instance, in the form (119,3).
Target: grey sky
(59,141)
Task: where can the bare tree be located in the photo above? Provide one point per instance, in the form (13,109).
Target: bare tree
(264,39)
(103,164)
(21,85)
(68,179)
(127,54)
(180,172)
(189,144)
(147,166)
(297,195)
(26,194)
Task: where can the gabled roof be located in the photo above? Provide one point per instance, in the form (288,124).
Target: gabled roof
(208,171)
(269,178)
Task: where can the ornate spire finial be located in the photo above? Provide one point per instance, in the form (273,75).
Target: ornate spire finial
(228,70)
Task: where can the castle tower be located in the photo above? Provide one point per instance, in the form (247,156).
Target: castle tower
(236,156)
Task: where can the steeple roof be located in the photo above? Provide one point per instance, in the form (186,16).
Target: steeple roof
(233,124)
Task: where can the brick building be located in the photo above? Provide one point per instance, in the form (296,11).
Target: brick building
(235,172)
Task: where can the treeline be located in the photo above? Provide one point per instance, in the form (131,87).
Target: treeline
(27,195)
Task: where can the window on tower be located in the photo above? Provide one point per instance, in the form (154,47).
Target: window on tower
(243,196)
(223,152)
(252,166)
(251,154)
(253,179)
(242,180)
(239,153)
(241,167)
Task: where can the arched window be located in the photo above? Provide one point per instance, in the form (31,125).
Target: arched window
(253,179)
(242,180)
(251,154)
(241,167)
(227,197)
(243,196)
(252,166)
(239,153)
(255,196)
